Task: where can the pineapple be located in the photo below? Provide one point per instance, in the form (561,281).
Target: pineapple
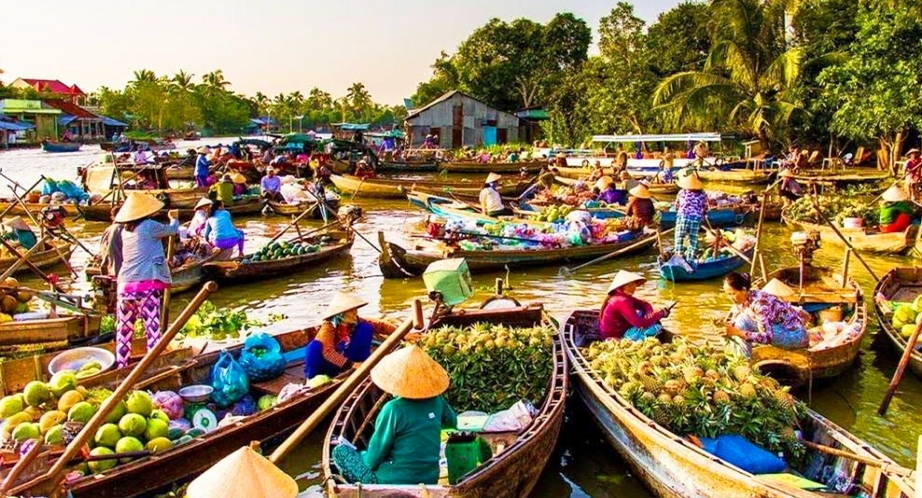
(664,398)
(721,398)
(692,374)
(741,372)
(678,400)
(651,384)
(672,387)
(661,416)
(747,390)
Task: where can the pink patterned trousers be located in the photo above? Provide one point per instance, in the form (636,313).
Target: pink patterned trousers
(131,306)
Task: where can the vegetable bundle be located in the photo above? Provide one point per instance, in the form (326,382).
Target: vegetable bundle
(491,367)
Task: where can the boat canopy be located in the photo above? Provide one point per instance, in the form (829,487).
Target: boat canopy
(681,137)
(351,126)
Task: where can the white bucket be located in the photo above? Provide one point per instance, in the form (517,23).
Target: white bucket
(852,223)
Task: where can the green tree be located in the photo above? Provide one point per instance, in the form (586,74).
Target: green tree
(750,79)
(359,100)
(679,40)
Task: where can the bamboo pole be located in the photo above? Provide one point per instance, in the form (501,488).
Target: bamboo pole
(23,258)
(347,386)
(566,271)
(890,468)
(900,370)
(758,249)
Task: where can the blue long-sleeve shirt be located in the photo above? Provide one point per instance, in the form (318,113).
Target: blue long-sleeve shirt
(220,227)
(201,165)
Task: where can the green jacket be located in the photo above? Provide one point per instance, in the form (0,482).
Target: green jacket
(225,192)
(890,210)
(405,446)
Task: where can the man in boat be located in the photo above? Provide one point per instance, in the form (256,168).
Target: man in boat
(913,173)
(224,190)
(270,186)
(343,340)
(791,191)
(141,157)
(491,202)
(19,233)
(640,207)
(691,207)
(202,167)
(896,210)
(664,175)
(624,316)
(761,316)
(406,443)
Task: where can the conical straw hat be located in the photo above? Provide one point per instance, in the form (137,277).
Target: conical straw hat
(623,278)
(778,288)
(604,182)
(895,194)
(17,222)
(342,303)
(912,151)
(640,191)
(243,474)
(137,206)
(410,373)
(203,150)
(688,179)
(203,202)
(492,177)
(238,178)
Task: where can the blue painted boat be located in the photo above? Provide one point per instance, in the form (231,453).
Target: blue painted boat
(721,217)
(61,146)
(702,270)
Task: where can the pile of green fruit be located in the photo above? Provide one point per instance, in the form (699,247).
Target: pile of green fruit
(906,316)
(491,367)
(217,323)
(280,250)
(554,214)
(702,390)
(833,208)
(88,369)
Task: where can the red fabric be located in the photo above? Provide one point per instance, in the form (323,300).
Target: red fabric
(902,222)
(621,312)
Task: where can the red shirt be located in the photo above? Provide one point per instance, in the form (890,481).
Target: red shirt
(621,312)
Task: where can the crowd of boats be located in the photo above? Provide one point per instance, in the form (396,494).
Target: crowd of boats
(532,231)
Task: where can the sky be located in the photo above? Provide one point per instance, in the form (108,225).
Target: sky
(270,46)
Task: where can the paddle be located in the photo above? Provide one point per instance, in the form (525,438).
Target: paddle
(564,271)
(848,244)
(323,205)
(357,189)
(887,467)
(50,479)
(900,370)
(349,385)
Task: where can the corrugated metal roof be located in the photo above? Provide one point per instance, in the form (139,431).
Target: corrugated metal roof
(72,109)
(11,126)
(53,86)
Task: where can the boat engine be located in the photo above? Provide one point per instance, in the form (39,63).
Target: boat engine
(805,244)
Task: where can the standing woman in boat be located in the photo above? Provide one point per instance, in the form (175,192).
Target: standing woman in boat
(640,207)
(136,250)
(344,339)
(691,207)
(202,165)
(896,210)
(491,202)
(405,446)
(625,316)
(913,173)
(761,316)
(790,189)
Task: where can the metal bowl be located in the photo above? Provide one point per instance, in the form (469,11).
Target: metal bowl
(196,394)
(73,359)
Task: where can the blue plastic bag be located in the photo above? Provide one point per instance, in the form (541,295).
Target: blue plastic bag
(71,190)
(262,358)
(49,186)
(743,453)
(229,380)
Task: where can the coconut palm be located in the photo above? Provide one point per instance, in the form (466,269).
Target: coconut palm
(749,80)
(359,99)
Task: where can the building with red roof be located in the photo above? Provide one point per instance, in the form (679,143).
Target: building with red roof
(56,88)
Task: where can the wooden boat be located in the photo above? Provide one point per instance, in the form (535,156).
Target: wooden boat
(15,208)
(245,206)
(49,146)
(65,329)
(53,254)
(450,208)
(654,188)
(671,466)
(511,472)
(702,270)
(822,290)
(530,167)
(737,176)
(409,166)
(397,262)
(285,209)
(183,278)
(392,188)
(246,270)
(852,176)
(899,285)
(862,239)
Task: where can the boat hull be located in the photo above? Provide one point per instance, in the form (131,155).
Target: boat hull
(41,259)
(381,188)
(899,284)
(498,168)
(58,147)
(860,239)
(702,271)
(238,272)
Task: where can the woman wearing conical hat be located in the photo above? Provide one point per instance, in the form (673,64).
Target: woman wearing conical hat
(405,446)
(491,201)
(625,316)
(344,339)
(913,173)
(790,189)
(896,210)
(19,233)
(136,249)
(640,207)
(202,167)
(763,316)
(691,207)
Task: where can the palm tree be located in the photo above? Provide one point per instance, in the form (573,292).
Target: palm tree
(359,99)
(215,79)
(749,79)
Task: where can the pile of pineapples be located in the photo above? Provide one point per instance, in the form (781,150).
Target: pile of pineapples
(700,389)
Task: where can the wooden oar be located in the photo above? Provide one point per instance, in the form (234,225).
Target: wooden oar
(358,189)
(23,258)
(294,222)
(900,370)
(887,467)
(13,204)
(564,271)
(50,480)
(845,240)
(349,385)
(758,247)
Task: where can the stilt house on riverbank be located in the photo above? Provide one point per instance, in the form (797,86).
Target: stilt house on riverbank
(458,120)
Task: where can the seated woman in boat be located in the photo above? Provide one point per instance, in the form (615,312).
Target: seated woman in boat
(364,170)
(270,187)
(224,190)
(790,189)
(691,207)
(607,192)
(344,339)
(240,184)
(19,233)
(896,210)
(199,217)
(640,207)
(406,443)
(626,181)
(220,231)
(625,316)
(761,317)
(596,172)
(491,202)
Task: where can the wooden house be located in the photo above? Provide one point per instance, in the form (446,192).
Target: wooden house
(459,120)
(36,113)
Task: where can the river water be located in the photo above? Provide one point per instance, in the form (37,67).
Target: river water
(583,465)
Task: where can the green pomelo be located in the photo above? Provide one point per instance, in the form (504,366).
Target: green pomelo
(54,436)
(156,428)
(107,435)
(10,405)
(139,402)
(117,413)
(159,444)
(62,382)
(102,465)
(68,400)
(26,431)
(81,412)
(128,444)
(36,393)
(160,415)
(51,419)
(132,424)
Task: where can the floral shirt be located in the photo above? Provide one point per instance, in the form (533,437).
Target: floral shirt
(691,203)
(914,170)
(769,311)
